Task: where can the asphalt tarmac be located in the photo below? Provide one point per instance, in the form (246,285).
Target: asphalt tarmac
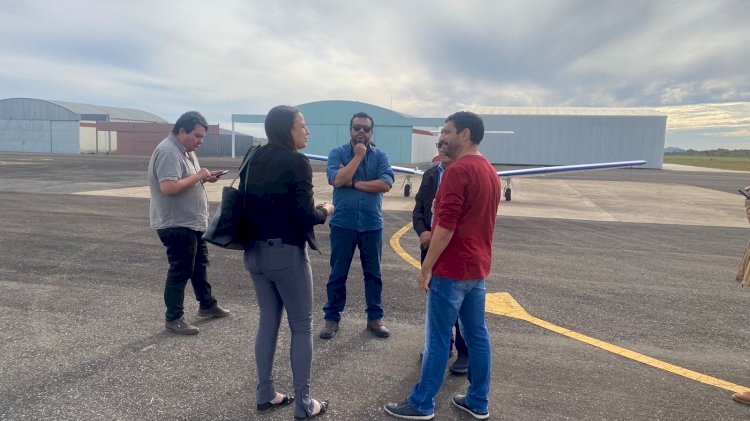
(81,312)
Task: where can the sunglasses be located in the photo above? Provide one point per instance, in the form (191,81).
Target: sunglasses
(440,145)
(358,127)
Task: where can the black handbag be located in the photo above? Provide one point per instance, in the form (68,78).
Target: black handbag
(228,227)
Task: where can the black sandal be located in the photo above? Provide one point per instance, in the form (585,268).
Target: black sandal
(323,409)
(268,405)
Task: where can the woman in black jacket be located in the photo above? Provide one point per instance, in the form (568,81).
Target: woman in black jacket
(282,214)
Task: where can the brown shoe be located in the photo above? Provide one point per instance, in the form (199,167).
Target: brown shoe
(329,330)
(376,327)
(743,397)
(215,312)
(182,327)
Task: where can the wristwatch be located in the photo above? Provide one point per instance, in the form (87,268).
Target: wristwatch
(354,181)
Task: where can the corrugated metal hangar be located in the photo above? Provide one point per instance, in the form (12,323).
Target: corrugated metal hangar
(541,136)
(35,125)
(569,136)
(328,122)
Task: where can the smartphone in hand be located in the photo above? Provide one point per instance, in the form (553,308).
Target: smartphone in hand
(744,193)
(220,173)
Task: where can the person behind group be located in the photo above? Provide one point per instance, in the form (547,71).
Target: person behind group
(422,221)
(179,213)
(743,277)
(454,271)
(281,215)
(360,173)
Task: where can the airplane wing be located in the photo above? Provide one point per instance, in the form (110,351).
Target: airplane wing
(316,157)
(411,171)
(569,168)
(510,173)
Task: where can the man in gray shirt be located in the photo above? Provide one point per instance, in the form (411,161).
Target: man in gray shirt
(179,213)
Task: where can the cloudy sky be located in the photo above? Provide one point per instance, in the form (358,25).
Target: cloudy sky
(689,58)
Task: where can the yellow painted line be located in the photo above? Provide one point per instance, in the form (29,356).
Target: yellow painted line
(503,304)
(396,245)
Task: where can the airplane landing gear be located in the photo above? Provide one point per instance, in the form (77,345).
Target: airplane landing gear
(507,188)
(407,186)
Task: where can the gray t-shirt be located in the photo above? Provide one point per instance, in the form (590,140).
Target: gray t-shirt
(188,209)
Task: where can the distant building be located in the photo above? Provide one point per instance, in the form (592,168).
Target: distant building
(35,125)
(541,136)
(573,135)
(328,122)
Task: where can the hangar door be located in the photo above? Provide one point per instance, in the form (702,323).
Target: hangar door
(39,136)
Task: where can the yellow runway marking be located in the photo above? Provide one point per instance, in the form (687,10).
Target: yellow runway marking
(400,250)
(503,304)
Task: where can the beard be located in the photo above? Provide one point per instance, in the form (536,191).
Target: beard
(450,151)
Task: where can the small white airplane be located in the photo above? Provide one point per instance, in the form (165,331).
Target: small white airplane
(507,176)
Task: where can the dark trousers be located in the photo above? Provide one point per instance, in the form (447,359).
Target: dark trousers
(282,278)
(343,243)
(459,342)
(187,255)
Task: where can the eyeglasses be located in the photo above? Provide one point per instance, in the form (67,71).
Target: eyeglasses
(440,145)
(358,127)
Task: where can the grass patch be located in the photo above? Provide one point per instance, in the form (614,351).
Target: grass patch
(736,163)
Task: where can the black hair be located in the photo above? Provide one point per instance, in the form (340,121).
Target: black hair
(279,124)
(188,121)
(468,120)
(361,114)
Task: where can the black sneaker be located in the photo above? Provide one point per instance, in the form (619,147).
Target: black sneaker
(182,327)
(329,330)
(460,402)
(460,366)
(405,411)
(215,312)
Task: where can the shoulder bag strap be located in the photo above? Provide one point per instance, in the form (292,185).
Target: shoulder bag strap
(245,161)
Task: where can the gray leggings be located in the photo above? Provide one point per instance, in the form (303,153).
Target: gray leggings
(282,278)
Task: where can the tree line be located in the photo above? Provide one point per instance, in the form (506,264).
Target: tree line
(712,152)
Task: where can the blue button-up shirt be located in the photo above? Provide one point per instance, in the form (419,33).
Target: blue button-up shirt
(357,210)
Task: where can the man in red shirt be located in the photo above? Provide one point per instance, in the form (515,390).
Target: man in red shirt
(454,271)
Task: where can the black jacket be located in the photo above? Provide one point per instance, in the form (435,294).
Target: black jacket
(279,201)
(422,213)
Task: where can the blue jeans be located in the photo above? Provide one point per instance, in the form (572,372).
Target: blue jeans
(343,243)
(447,300)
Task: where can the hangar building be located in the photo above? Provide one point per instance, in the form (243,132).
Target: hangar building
(328,122)
(35,125)
(540,136)
(573,135)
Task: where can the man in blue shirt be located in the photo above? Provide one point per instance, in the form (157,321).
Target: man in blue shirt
(359,174)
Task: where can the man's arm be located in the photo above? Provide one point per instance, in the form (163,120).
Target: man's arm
(385,176)
(422,203)
(440,239)
(175,187)
(346,173)
(372,186)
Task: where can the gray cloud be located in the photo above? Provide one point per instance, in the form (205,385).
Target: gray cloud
(422,58)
